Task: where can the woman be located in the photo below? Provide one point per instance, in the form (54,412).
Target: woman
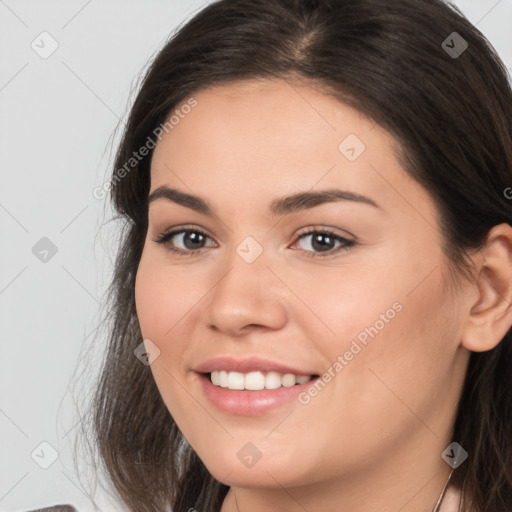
(318,257)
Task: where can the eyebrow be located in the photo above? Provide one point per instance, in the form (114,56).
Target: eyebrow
(280,206)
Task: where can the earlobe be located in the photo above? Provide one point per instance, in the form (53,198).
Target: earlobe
(490,316)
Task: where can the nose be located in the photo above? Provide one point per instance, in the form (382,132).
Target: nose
(247,297)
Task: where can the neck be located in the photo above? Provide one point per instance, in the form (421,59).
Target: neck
(419,493)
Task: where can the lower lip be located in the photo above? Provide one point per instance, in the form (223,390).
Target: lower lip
(248,403)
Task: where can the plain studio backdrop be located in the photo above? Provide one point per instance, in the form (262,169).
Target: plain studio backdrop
(67,70)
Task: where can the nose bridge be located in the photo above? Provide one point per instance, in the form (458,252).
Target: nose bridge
(246,265)
(246,276)
(246,293)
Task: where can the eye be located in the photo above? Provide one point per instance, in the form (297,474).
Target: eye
(185,242)
(315,242)
(322,242)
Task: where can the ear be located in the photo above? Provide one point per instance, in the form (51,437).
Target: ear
(490,315)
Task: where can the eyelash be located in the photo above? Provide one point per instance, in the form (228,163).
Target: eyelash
(165,237)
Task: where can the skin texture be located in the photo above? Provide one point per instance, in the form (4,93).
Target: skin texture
(372,438)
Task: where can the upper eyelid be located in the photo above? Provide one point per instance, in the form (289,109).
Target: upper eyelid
(325,229)
(181,229)
(302,231)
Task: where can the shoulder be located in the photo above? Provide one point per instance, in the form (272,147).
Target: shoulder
(56,508)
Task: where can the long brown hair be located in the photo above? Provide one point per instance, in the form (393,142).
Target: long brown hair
(450,112)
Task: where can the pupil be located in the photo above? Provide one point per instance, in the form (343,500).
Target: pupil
(322,242)
(193,240)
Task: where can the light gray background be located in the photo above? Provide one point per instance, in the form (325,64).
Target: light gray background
(57,122)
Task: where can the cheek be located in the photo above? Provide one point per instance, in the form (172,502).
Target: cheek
(391,333)
(335,305)
(396,357)
(161,302)
(163,297)
(148,292)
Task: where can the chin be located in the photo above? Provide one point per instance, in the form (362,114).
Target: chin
(244,466)
(257,477)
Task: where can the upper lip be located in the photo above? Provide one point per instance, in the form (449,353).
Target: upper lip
(252,364)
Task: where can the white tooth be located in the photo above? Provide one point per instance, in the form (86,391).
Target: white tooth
(223,379)
(235,380)
(288,380)
(254,381)
(272,380)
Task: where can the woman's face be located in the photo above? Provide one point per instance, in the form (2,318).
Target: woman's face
(305,253)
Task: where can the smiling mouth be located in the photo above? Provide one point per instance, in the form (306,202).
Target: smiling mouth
(256,381)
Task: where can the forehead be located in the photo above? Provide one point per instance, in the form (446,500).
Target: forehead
(262,120)
(272,138)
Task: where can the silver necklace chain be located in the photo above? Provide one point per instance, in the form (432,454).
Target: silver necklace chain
(440,500)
